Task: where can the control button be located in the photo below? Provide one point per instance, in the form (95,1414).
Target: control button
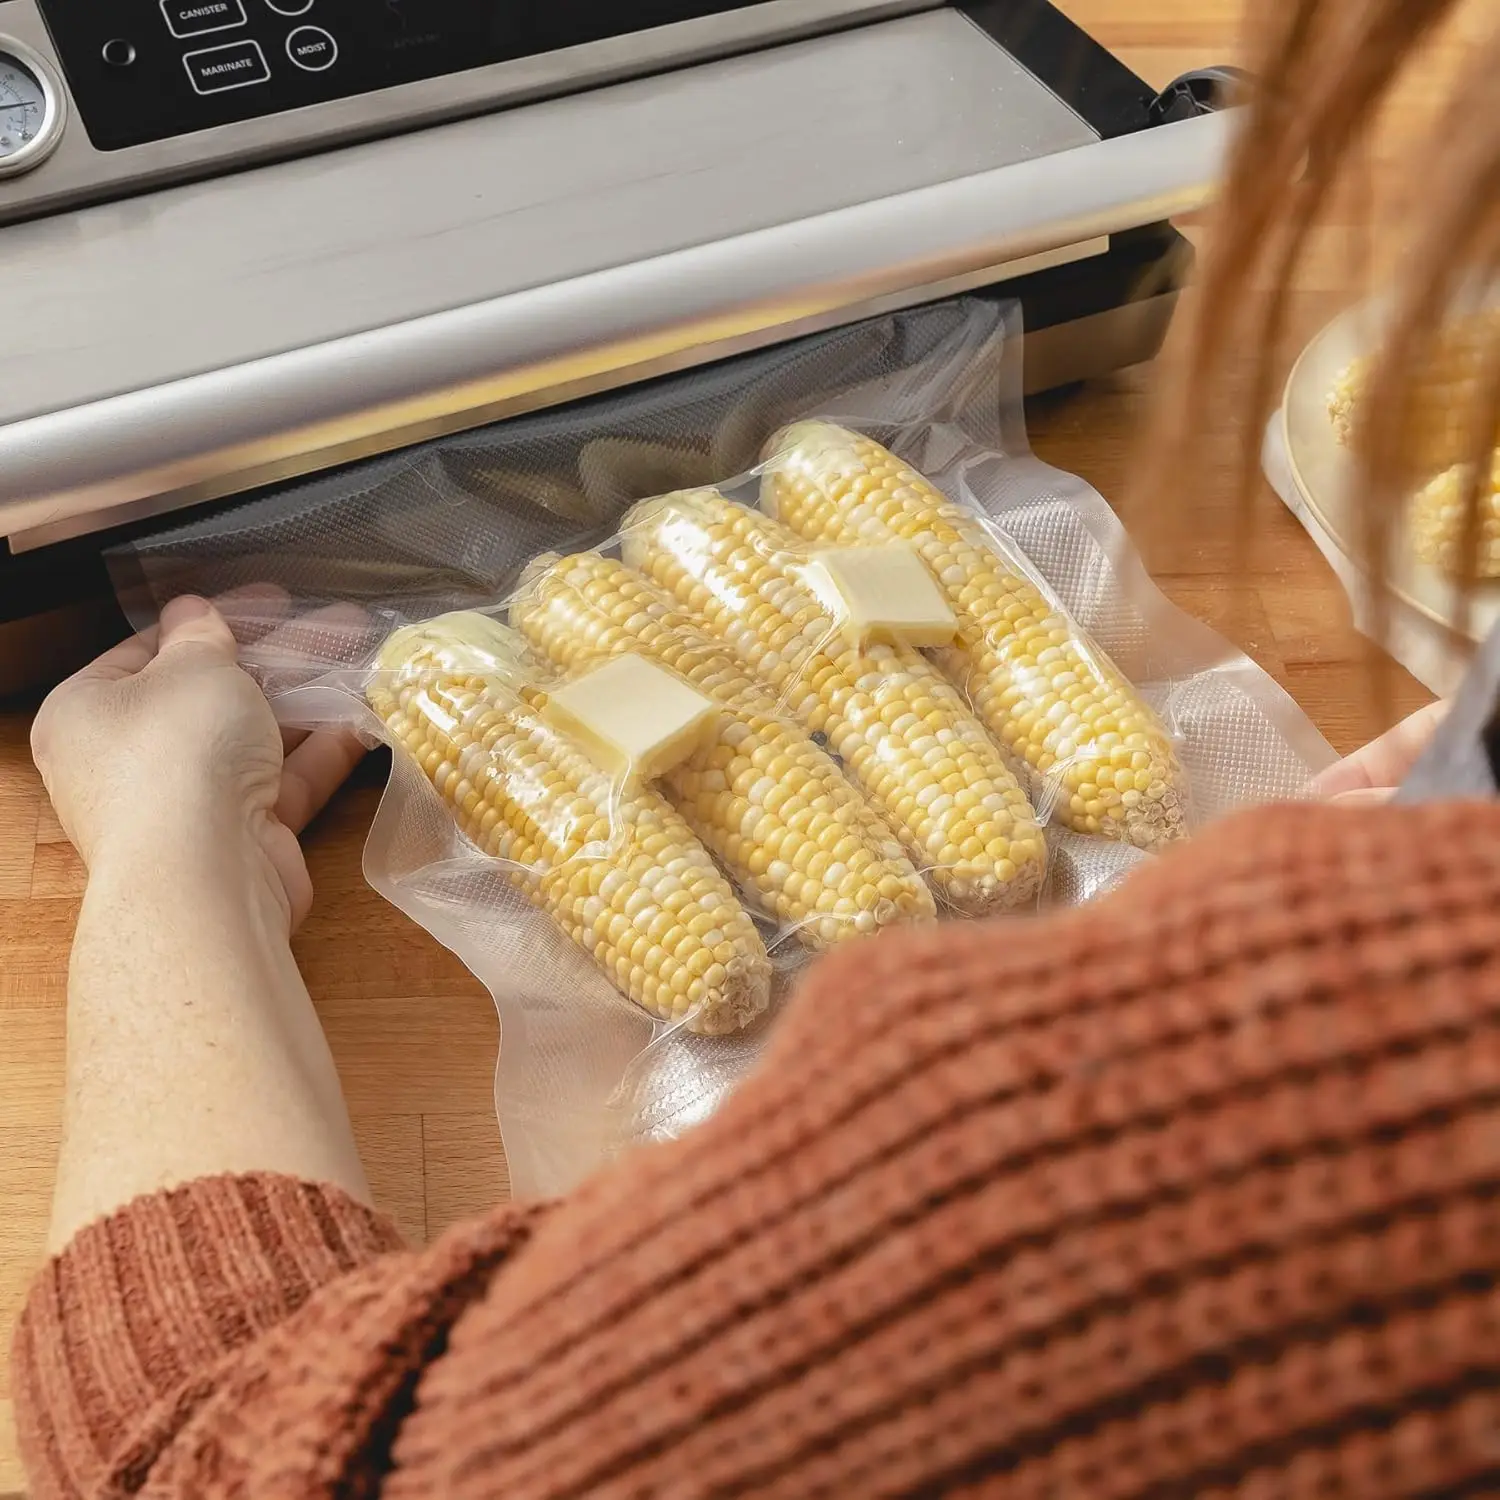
(234,66)
(290,7)
(312,48)
(198,17)
(119,53)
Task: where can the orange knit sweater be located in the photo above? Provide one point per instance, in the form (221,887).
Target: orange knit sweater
(1192,1192)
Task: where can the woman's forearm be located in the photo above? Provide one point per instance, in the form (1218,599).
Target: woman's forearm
(193,1047)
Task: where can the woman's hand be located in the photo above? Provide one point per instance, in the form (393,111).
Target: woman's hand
(166,738)
(1374,773)
(193,1047)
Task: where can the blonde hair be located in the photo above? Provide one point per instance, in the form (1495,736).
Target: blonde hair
(1323,73)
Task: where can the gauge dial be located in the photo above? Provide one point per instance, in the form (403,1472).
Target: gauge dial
(30,109)
(23,106)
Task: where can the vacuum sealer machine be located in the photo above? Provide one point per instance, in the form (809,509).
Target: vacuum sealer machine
(244,240)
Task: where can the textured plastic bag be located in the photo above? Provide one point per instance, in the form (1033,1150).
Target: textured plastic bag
(487,521)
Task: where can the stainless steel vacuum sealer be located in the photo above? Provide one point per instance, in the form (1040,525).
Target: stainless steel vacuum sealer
(242,240)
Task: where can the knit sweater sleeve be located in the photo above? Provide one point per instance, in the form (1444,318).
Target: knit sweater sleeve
(1193,1191)
(286,1305)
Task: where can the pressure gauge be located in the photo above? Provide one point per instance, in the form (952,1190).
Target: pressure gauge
(32,108)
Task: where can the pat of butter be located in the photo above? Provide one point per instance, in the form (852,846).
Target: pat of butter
(882,594)
(632,716)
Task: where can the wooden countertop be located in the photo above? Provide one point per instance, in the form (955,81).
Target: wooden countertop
(413,1033)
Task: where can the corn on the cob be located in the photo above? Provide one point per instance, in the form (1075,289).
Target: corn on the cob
(1437,520)
(804,846)
(1446,389)
(1095,754)
(613,865)
(901,730)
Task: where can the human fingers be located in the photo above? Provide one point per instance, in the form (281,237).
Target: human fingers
(1365,796)
(333,635)
(285,854)
(313,772)
(253,610)
(1385,761)
(132,654)
(190,621)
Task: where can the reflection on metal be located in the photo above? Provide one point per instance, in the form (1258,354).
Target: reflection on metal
(214,433)
(305,446)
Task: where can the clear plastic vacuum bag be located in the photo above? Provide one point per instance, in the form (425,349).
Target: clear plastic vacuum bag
(686,684)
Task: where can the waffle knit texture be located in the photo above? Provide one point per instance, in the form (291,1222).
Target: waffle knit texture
(1190,1192)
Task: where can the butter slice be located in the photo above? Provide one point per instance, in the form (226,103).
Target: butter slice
(633,717)
(882,594)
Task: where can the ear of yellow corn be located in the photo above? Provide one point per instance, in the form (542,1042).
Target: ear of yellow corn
(1095,754)
(1446,393)
(901,731)
(613,864)
(1437,520)
(801,842)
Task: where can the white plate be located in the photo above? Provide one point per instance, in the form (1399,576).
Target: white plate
(1321,470)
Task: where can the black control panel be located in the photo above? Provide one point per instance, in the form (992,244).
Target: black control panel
(146,70)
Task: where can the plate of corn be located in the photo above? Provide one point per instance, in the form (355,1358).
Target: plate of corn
(1318,415)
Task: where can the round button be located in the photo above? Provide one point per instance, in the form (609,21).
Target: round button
(290,7)
(119,53)
(311,47)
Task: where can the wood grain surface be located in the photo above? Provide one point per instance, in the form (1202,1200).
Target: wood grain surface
(413,1033)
